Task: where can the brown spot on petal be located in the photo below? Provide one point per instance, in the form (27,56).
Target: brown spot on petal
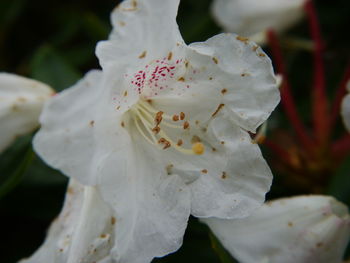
(223,91)
(290,224)
(122,124)
(15,107)
(319,244)
(170,55)
(179,142)
(21,99)
(255,48)
(70,190)
(181,79)
(125,93)
(218,109)
(143,54)
(195,139)
(113,220)
(169,168)
(262,55)
(103,236)
(204,171)
(216,61)
(92,123)
(132,8)
(242,39)
(224,175)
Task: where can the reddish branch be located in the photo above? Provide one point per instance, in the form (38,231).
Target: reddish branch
(287,100)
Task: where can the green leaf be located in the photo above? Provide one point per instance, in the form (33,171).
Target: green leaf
(222,253)
(339,185)
(16,177)
(95,27)
(50,67)
(9,11)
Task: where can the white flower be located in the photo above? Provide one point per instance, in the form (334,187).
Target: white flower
(162,130)
(83,232)
(302,229)
(251,18)
(345,109)
(21,102)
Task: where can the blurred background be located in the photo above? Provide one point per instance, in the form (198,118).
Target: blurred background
(54,41)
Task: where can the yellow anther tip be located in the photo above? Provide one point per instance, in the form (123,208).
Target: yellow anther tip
(198,148)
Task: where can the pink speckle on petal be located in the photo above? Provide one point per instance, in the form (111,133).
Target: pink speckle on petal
(155,76)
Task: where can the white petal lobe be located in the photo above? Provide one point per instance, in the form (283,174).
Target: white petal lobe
(21,102)
(301,229)
(250,18)
(345,109)
(83,232)
(247,76)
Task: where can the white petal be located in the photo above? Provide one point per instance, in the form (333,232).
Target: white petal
(68,123)
(141,29)
(250,17)
(153,207)
(83,232)
(246,74)
(237,177)
(301,229)
(345,108)
(21,102)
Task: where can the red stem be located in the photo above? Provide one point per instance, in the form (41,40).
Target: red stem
(287,100)
(340,93)
(278,151)
(320,111)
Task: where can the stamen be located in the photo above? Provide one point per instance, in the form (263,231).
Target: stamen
(156,129)
(145,114)
(166,143)
(182,116)
(158,119)
(186,125)
(141,131)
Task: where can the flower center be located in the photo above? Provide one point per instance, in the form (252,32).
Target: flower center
(156,126)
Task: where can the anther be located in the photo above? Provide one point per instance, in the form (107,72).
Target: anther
(186,125)
(156,129)
(182,116)
(175,117)
(165,142)
(158,119)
